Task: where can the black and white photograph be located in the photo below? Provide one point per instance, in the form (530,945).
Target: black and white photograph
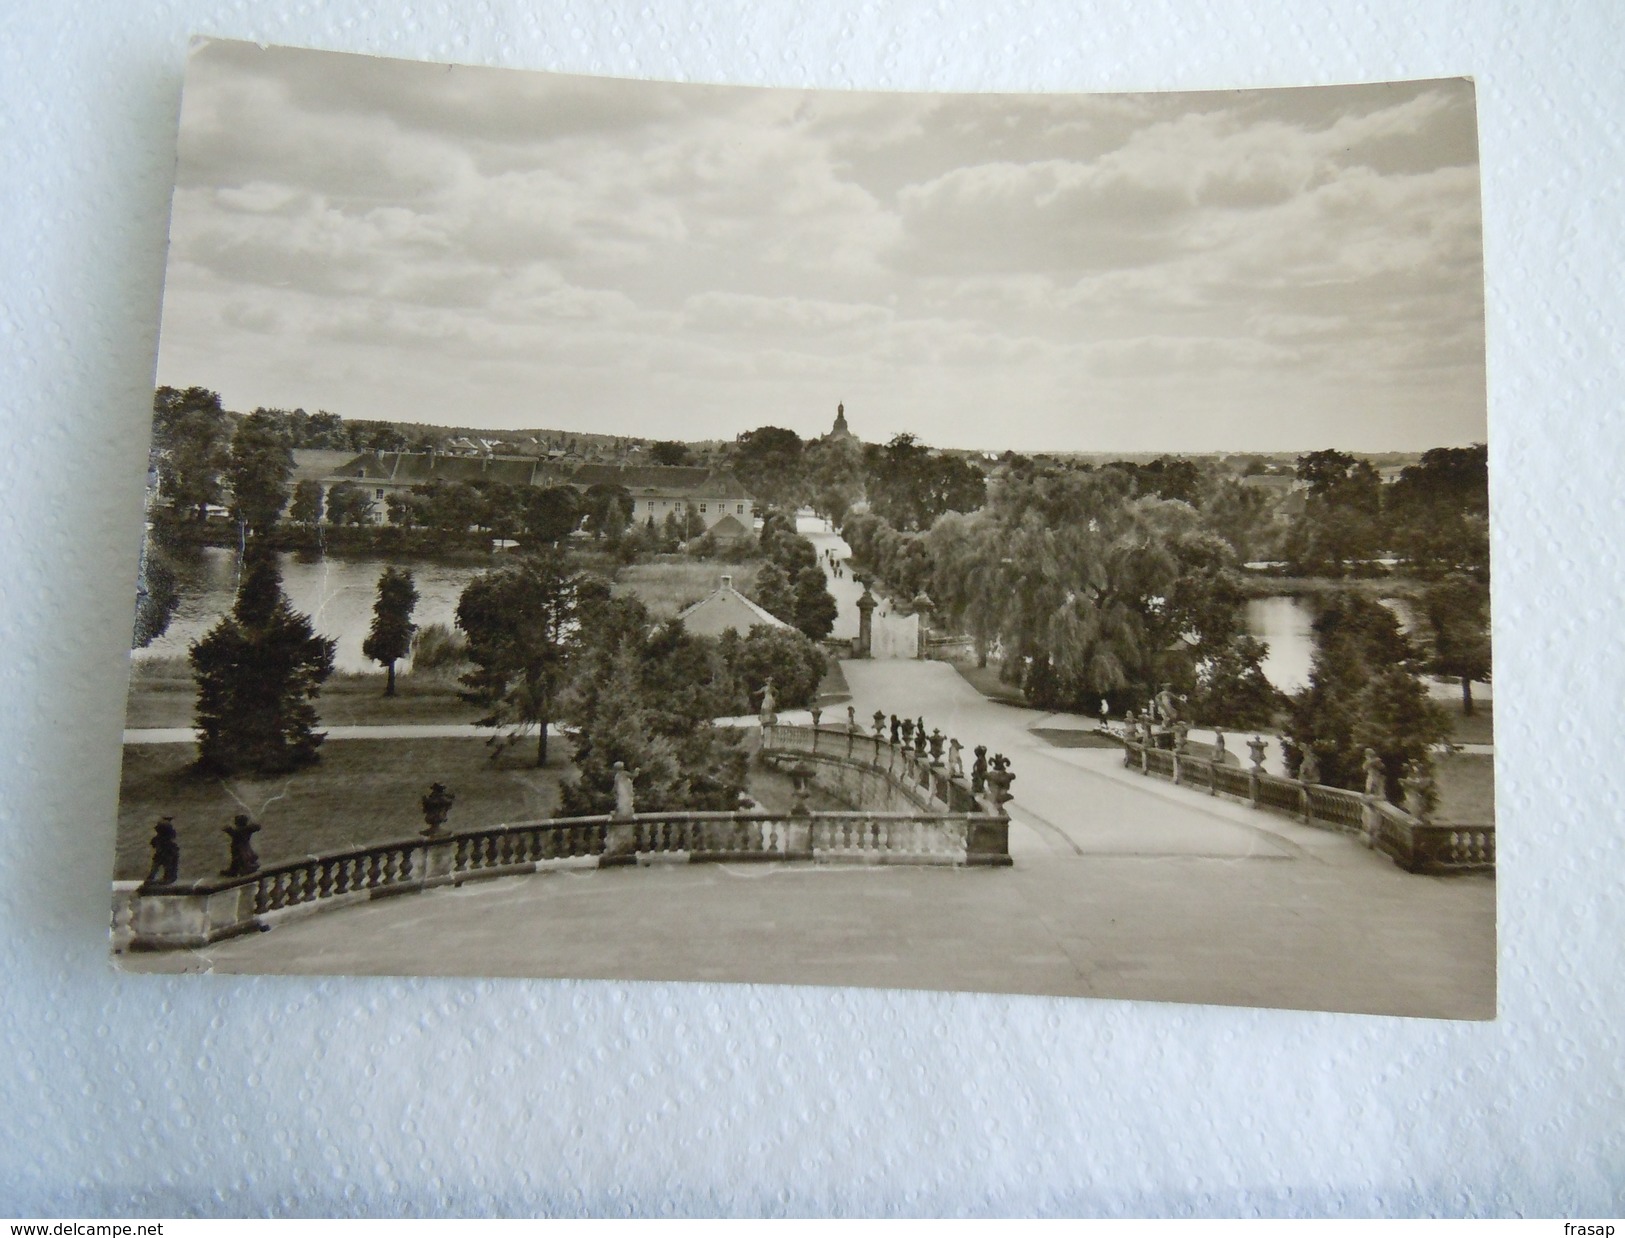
(1002,543)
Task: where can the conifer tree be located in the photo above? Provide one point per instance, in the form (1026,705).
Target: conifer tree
(258,673)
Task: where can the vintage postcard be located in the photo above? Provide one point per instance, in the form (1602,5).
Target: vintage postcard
(1010,543)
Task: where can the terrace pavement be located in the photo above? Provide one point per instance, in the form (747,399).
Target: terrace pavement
(1121,887)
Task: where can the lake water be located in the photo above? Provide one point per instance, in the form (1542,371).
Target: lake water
(1285,624)
(338,594)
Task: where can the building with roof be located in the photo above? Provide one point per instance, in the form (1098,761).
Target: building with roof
(725,609)
(654,490)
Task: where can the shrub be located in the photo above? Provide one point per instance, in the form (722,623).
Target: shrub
(795,663)
(438,647)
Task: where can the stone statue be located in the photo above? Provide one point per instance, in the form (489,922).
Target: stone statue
(1256,747)
(1309,766)
(1182,736)
(1418,787)
(880,723)
(1000,779)
(1376,774)
(956,761)
(896,731)
(768,717)
(1218,746)
(919,738)
(243,859)
(166,855)
(625,801)
(1165,704)
(436,808)
(851,719)
(978,770)
(1131,727)
(1105,714)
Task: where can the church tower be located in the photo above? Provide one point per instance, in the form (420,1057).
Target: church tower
(840,430)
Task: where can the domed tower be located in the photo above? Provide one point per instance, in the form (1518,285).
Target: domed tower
(839,430)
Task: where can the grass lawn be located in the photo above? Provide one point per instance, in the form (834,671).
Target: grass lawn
(1057,738)
(1466,790)
(1479,729)
(162,694)
(361,791)
(833,688)
(666,587)
(985,679)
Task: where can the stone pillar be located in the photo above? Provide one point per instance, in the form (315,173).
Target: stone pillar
(923,606)
(866,623)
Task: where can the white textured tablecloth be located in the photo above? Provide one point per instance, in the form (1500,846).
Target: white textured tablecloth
(155,1095)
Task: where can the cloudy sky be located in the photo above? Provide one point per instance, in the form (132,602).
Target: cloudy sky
(1276,270)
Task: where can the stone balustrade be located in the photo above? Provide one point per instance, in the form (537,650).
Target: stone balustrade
(1415,845)
(910,780)
(943,824)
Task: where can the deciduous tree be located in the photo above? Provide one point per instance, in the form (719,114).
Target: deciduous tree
(670,453)
(773,592)
(390,638)
(348,504)
(815,609)
(768,461)
(1457,610)
(261,463)
(306,508)
(522,629)
(551,513)
(191,436)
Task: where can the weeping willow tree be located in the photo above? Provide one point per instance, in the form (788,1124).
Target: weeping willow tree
(1091,590)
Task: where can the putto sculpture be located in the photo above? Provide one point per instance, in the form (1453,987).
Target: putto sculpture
(166,855)
(244,862)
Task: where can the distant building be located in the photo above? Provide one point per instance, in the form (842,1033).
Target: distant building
(655,490)
(725,609)
(839,430)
